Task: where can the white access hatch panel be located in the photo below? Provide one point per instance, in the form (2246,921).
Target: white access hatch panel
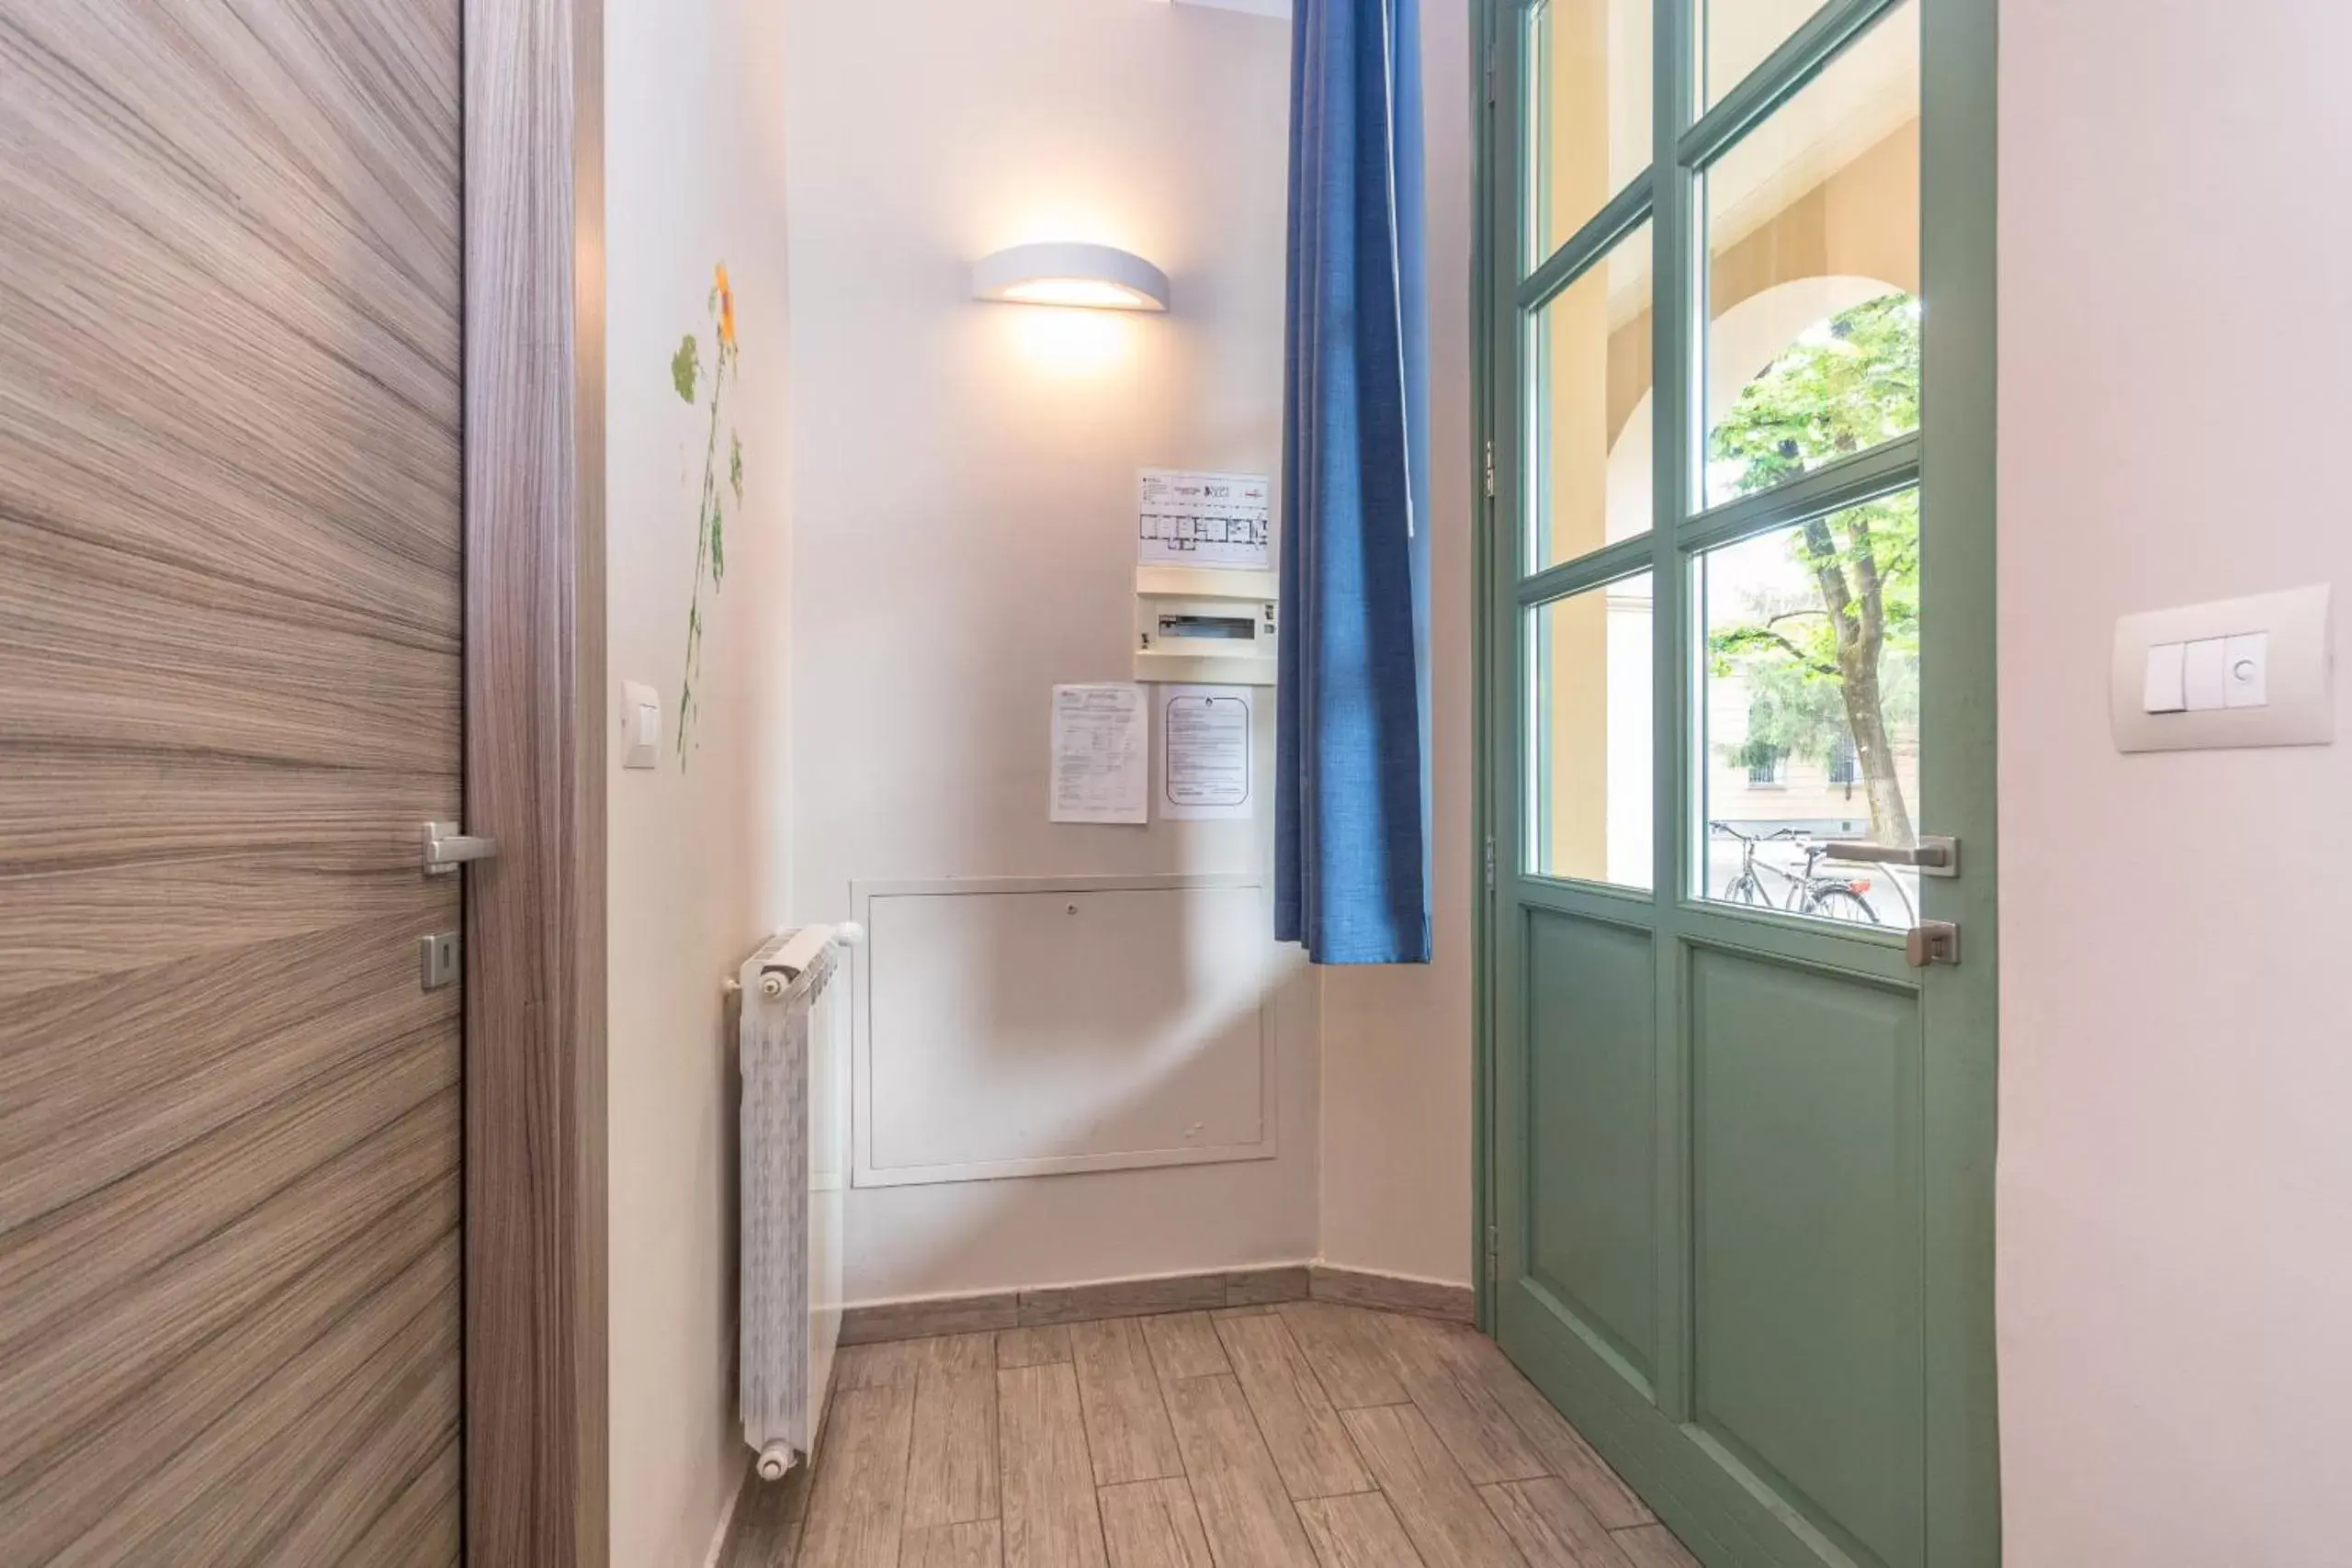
(1022,1027)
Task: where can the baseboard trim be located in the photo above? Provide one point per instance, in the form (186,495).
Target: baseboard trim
(1406,1293)
(1216,1290)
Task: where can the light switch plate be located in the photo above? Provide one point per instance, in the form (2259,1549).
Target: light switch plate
(640,724)
(2288,700)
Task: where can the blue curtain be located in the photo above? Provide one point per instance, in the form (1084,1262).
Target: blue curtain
(1352,839)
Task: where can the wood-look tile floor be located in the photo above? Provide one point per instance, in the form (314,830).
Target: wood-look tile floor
(1301,1435)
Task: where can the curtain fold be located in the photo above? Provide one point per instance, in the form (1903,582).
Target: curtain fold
(1352,841)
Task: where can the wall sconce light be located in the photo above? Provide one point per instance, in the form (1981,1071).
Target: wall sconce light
(1098,278)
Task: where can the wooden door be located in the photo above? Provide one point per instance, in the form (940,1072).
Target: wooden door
(1739,749)
(229,676)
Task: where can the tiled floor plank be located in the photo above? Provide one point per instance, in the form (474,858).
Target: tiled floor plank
(951,1465)
(1032,1346)
(856,1503)
(1550,1526)
(1448,1521)
(1654,1546)
(1310,1446)
(1126,1424)
(1349,1353)
(1358,1531)
(1050,1519)
(1245,1511)
(1289,1434)
(1183,1344)
(765,1529)
(1154,1524)
(973,1544)
(1485,1441)
(1564,1449)
(889,1365)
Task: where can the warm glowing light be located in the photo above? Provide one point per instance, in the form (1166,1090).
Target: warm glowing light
(1092,293)
(1072,345)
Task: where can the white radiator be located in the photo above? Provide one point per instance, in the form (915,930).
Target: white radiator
(793,1049)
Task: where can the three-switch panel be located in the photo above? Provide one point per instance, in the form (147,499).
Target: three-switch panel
(2211,672)
(2255,672)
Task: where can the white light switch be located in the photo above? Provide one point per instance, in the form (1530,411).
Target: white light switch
(2253,671)
(2203,682)
(640,724)
(2245,669)
(2162,685)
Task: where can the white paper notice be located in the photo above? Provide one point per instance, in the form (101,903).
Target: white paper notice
(1206,766)
(1186,519)
(1101,754)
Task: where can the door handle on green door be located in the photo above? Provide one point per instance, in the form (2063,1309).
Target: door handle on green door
(1933,855)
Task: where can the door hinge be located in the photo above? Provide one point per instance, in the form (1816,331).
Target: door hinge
(1493,1254)
(1490,467)
(1491,862)
(1490,74)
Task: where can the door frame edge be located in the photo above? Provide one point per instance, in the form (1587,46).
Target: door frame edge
(535,1418)
(1484,90)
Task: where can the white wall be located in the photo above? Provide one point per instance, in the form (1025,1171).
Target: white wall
(2176,1184)
(694,175)
(964,502)
(1397,1081)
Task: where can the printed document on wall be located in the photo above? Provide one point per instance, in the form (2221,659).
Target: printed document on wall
(1102,753)
(1220,520)
(1207,768)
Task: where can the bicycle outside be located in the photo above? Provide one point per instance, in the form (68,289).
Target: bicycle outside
(1821,895)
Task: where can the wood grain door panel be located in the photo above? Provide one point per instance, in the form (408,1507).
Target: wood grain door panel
(230,676)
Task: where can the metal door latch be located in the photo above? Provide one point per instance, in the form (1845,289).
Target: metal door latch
(446,848)
(1931,942)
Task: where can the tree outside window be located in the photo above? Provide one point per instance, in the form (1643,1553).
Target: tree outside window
(1833,671)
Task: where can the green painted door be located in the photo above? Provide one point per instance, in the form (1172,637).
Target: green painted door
(1739,674)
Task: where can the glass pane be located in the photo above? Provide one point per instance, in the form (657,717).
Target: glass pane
(1813,232)
(1590,410)
(1588,112)
(1812,711)
(1736,35)
(1588,798)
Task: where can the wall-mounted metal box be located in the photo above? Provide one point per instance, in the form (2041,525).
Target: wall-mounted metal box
(1205,626)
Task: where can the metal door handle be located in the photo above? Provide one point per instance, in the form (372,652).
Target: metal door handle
(1931,942)
(1934,855)
(446,849)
